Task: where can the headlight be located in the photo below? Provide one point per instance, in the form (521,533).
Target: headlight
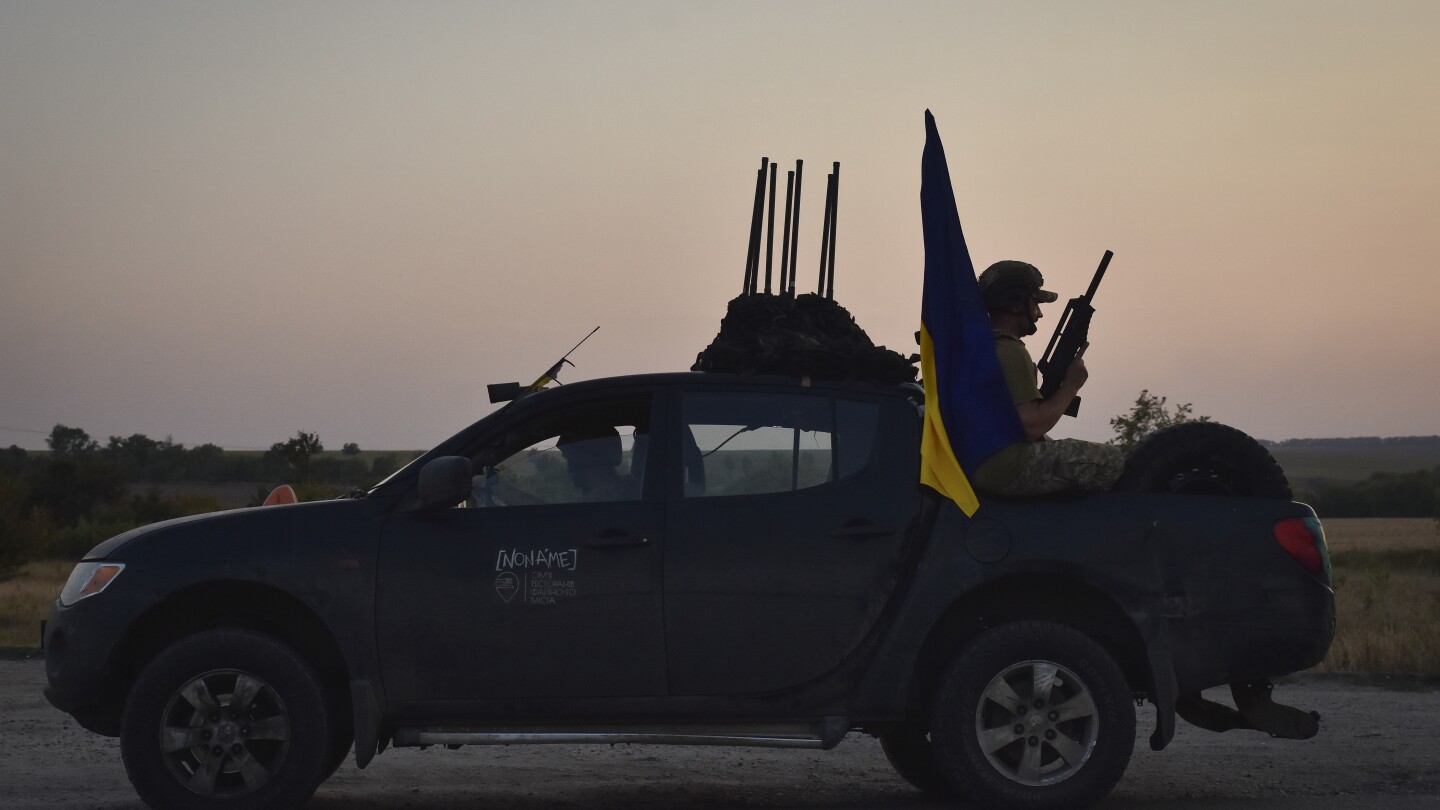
(88,579)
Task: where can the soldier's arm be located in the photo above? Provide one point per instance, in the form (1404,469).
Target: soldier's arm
(1038,416)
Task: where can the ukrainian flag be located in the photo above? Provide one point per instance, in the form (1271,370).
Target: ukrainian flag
(968,412)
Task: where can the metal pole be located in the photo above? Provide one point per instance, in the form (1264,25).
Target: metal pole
(752,257)
(785,246)
(795,239)
(825,232)
(834,219)
(770,229)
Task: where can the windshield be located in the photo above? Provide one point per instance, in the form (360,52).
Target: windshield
(387,479)
(450,447)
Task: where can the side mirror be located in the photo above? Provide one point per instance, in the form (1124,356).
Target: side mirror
(443,481)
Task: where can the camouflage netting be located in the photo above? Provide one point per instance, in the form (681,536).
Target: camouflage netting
(804,335)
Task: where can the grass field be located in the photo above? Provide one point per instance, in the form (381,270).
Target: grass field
(1387,592)
(1387,595)
(25,599)
(1381,534)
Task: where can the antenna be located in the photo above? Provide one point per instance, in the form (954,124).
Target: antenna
(825,232)
(785,248)
(834,210)
(795,224)
(752,256)
(770,230)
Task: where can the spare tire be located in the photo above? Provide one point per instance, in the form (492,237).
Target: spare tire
(1203,458)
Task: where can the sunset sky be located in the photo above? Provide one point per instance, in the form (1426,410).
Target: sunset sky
(226,222)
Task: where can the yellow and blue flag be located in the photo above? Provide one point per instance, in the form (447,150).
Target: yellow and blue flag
(968,412)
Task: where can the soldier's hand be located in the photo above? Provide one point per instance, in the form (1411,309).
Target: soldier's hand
(1076,375)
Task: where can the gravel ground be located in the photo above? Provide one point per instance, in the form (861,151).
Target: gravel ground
(1379,746)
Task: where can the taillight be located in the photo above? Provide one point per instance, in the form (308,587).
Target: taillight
(1303,539)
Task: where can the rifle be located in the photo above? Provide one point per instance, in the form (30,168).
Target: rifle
(505,392)
(1071,335)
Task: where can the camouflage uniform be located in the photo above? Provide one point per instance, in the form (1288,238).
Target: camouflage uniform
(1051,466)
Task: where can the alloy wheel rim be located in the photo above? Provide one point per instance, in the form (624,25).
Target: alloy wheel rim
(1037,723)
(224,733)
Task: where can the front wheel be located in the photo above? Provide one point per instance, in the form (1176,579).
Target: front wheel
(1033,715)
(226,719)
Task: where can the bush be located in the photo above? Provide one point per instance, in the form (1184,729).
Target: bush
(72,542)
(1146,416)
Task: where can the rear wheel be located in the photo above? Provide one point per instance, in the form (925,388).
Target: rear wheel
(1033,715)
(1203,458)
(226,718)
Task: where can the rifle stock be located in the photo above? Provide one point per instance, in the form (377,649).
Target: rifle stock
(1071,335)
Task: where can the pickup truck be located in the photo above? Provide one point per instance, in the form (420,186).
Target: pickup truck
(688,558)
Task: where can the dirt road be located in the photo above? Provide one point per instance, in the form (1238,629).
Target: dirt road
(1379,747)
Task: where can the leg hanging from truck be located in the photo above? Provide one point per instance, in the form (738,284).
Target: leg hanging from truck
(1255,710)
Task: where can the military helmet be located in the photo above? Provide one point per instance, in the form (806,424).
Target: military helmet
(1008,283)
(591,446)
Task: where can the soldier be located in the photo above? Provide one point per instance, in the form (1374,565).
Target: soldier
(1038,465)
(593,454)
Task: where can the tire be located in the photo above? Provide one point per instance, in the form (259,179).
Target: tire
(912,756)
(1077,728)
(1203,458)
(226,719)
(339,751)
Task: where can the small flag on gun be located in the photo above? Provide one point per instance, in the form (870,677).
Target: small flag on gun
(553,374)
(968,412)
(548,377)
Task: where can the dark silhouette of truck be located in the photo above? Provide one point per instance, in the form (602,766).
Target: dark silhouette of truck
(690,559)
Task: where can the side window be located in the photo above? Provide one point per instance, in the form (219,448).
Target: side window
(581,454)
(755,443)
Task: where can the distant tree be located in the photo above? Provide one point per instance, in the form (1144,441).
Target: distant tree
(1146,416)
(74,489)
(15,542)
(351,449)
(135,454)
(296,453)
(13,459)
(205,462)
(71,442)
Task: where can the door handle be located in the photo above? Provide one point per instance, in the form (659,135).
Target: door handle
(615,538)
(860,528)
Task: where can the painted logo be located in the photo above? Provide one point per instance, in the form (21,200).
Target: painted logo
(506,585)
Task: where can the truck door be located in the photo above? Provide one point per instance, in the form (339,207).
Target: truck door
(547,583)
(784,532)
